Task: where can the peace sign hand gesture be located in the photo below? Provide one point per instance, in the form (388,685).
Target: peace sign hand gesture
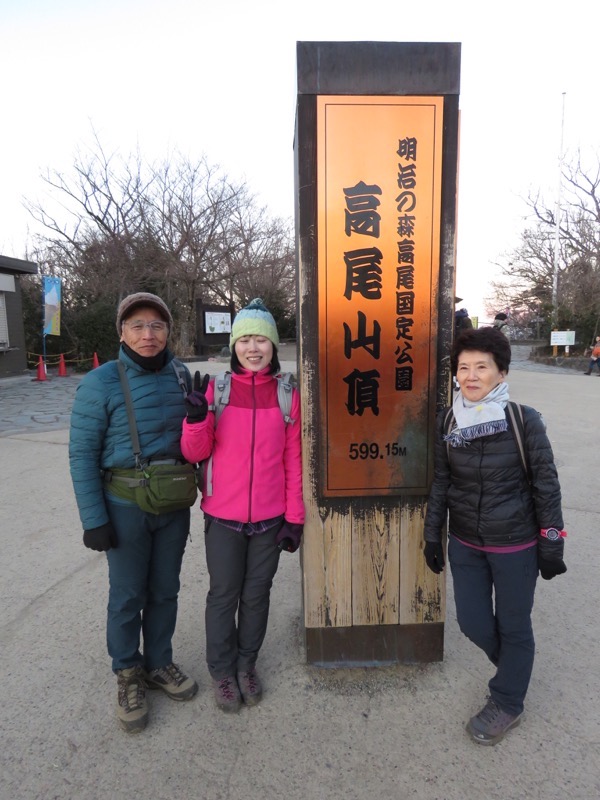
(196,402)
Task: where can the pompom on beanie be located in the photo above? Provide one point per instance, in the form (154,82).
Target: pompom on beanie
(132,301)
(254,320)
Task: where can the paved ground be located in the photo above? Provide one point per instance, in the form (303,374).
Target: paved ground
(394,733)
(29,405)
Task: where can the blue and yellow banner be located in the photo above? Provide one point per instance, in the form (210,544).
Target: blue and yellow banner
(52,292)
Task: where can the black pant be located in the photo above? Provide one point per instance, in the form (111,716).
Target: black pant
(494,599)
(594,362)
(241,570)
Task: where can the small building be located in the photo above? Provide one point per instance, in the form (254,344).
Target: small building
(13,352)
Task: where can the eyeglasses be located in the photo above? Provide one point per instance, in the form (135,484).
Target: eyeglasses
(155,326)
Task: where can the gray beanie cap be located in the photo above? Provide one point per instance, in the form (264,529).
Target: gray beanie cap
(129,303)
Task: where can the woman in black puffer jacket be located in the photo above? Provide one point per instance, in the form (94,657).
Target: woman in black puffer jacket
(504,524)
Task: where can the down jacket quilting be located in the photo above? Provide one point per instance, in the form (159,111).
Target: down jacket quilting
(486,491)
(100,438)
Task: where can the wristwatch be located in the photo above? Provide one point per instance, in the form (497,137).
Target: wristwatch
(552,534)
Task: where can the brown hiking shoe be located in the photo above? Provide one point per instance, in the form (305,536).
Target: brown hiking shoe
(132,709)
(173,681)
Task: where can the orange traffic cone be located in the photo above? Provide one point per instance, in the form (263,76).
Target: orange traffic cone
(95,362)
(62,367)
(41,371)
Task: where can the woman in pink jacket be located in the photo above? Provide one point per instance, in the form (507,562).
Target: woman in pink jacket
(255,509)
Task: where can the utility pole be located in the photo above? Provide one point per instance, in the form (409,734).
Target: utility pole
(557,216)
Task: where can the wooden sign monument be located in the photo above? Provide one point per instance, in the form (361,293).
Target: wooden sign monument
(376,152)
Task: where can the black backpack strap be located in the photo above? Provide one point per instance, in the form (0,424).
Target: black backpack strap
(515,415)
(447,428)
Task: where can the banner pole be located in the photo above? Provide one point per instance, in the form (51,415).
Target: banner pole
(44,321)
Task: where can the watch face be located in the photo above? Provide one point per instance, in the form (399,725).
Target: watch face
(552,534)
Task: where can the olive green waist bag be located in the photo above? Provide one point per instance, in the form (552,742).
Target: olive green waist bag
(155,488)
(158,485)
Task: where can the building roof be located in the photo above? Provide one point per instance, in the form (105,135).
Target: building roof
(17,265)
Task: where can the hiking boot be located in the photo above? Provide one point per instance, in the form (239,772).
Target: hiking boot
(172,681)
(227,694)
(132,709)
(491,724)
(250,687)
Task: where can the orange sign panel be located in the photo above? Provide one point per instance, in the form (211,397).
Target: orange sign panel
(379,199)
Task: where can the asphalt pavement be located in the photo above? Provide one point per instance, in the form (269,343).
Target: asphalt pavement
(319,734)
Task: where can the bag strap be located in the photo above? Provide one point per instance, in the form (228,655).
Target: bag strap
(447,428)
(515,413)
(517,424)
(135,439)
(221,394)
(285,385)
(181,376)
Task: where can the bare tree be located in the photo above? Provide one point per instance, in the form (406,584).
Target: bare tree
(94,217)
(186,217)
(180,228)
(529,271)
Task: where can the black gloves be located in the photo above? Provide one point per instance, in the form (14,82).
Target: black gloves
(434,556)
(550,557)
(100,539)
(289,536)
(196,402)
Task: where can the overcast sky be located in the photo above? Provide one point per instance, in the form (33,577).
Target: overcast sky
(219,79)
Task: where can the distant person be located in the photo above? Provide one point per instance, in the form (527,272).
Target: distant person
(500,321)
(254,508)
(462,321)
(144,550)
(504,524)
(594,357)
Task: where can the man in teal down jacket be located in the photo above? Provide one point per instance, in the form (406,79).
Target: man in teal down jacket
(144,551)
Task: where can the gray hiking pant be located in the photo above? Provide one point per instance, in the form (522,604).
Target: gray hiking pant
(241,570)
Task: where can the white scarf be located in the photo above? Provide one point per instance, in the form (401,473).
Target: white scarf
(482,418)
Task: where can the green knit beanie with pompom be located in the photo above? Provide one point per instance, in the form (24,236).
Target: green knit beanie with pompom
(254,320)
